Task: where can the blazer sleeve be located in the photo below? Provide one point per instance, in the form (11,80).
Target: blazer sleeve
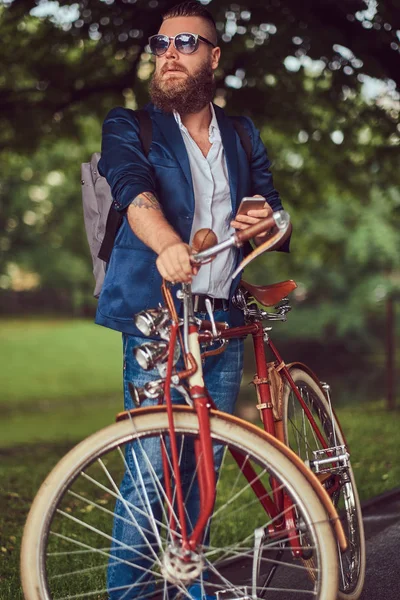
(261,176)
(123,162)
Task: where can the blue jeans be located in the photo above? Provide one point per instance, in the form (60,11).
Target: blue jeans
(222,375)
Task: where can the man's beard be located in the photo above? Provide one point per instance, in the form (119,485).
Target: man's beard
(186,95)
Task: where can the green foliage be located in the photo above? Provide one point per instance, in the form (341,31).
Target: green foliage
(302,71)
(84,57)
(41,215)
(344,203)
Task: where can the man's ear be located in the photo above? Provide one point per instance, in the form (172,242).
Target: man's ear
(215,56)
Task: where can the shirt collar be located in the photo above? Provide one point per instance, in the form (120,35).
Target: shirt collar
(213,131)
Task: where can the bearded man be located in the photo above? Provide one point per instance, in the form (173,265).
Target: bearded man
(194,176)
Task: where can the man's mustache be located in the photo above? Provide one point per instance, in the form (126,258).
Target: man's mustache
(172,67)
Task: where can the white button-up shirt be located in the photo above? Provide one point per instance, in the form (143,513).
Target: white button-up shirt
(213,208)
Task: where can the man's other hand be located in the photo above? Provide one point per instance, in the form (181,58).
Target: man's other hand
(174,265)
(252,217)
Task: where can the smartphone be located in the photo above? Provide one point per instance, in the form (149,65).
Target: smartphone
(250,204)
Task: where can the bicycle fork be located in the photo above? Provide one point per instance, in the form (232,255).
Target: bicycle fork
(202,445)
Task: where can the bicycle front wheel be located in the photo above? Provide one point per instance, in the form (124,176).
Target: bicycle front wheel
(341,486)
(72,539)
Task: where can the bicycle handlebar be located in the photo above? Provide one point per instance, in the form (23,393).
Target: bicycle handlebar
(279,219)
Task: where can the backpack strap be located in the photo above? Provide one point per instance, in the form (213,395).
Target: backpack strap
(244,136)
(114,221)
(115,217)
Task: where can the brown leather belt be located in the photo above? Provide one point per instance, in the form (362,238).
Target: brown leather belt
(199,303)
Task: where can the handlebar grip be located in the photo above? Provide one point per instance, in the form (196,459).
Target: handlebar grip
(280,220)
(253,230)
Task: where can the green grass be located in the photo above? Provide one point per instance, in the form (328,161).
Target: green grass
(372,438)
(61,380)
(54,360)
(22,470)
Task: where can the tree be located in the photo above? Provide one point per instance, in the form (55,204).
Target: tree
(302,71)
(83,57)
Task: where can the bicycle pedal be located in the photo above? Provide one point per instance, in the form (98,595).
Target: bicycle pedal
(330,460)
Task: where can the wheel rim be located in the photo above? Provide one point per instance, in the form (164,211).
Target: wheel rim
(78,533)
(302,439)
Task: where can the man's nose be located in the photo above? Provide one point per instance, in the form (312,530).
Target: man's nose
(172,52)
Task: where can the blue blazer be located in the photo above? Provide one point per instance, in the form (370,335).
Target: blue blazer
(132,281)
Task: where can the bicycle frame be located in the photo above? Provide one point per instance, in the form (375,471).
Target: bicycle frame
(274,506)
(277,505)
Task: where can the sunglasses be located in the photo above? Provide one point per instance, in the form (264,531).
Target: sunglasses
(185,43)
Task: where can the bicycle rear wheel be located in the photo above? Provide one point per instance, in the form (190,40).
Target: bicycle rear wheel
(68,534)
(302,439)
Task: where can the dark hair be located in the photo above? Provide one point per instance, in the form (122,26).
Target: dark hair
(192,8)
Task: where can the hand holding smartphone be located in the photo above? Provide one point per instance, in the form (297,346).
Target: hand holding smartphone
(243,220)
(250,203)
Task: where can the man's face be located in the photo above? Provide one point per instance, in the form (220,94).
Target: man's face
(174,67)
(184,82)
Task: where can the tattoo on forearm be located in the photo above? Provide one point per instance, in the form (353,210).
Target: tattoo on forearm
(147,200)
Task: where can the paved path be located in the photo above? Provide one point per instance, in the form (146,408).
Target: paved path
(382,530)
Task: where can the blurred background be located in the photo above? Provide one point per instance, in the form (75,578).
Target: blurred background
(320,79)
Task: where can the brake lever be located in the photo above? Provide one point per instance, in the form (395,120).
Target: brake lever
(282,221)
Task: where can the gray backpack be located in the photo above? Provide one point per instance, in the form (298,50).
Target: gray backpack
(102,221)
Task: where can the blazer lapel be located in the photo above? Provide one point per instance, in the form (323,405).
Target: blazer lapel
(173,138)
(228,136)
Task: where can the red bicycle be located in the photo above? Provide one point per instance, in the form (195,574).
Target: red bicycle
(267,525)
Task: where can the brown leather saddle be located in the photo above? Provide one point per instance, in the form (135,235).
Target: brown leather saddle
(269,295)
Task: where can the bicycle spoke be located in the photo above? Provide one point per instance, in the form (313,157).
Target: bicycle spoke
(104,535)
(95,550)
(249,552)
(117,495)
(242,491)
(102,508)
(340,485)
(159,486)
(253,502)
(86,555)
(174,492)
